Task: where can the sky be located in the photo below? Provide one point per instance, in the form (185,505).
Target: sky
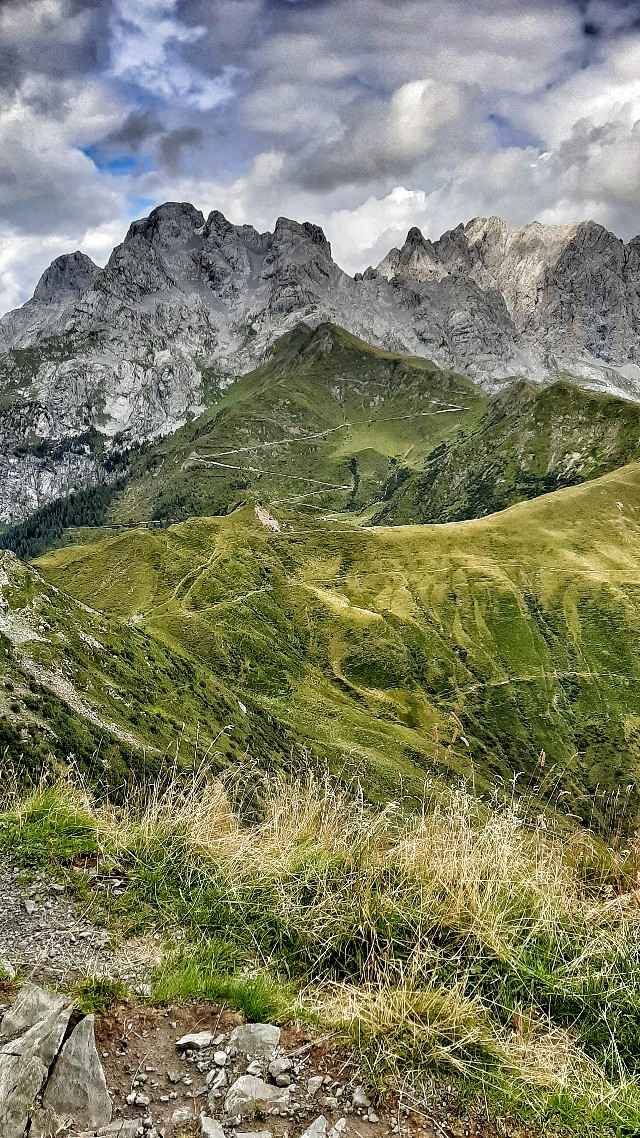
(364,116)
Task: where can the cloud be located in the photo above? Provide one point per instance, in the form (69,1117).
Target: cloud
(145,51)
(368,116)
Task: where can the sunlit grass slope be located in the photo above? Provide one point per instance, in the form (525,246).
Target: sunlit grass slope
(331,423)
(362,641)
(324,421)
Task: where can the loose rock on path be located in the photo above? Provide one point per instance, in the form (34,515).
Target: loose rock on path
(46,935)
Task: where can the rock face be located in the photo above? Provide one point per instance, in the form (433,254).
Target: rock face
(100,358)
(46,1083)
(77,1089)
(570,294)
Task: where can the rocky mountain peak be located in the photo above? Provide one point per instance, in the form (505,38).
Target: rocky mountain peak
(124,350)
(69,275)
(304,233)
(167,223)
(417,260)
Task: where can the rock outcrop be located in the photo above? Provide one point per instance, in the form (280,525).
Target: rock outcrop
(102,358)
(51,1078)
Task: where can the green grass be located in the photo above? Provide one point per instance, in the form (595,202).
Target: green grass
(205,972)
(47,828)
(355,644)
(459,946)
(98,995)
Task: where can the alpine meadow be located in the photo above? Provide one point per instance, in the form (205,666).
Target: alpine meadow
(319,569)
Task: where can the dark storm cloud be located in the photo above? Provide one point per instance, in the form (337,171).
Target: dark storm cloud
(175,142)
(136,130)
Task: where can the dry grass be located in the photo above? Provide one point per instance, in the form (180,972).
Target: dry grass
(458,938)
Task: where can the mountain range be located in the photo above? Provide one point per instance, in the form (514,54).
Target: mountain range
(264,444)
(101,361)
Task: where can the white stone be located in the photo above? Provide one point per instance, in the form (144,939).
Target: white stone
(318,1128)
(249,1094)
(210,1127)
(195,1042)
(255,1040)
(360,1099)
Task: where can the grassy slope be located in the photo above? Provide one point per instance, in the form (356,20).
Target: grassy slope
(360,641)
(471,958)
(325,421)
(77,686)
(528,441)
(328,423)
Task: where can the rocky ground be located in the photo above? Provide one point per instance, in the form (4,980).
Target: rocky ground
(187,1071)
(194,1071)
(48,936)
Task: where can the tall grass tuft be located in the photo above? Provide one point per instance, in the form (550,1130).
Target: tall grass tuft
(466,942)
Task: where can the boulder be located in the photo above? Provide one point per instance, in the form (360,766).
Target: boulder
(255,1040)
(32,1005)
(21,1080)
(43,1040)
(77,1088)
(25,1063)
(249,1094)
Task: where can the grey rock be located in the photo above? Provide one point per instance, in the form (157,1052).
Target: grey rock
(32,1005)
(197,1041)
(220,1058)
(360,1099)
(314,1084)
(318,1128)
(217,1077)
(43,1040)
(255,1040)
(280,1066)
(181,1115)
(77,1088)
(254,1134)
(211,1128)
(339,1129)
(249,1094)
(21,1081)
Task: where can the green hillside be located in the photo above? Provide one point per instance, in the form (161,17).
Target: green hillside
(528,440)
(357,641)
(324,421)
(329,423)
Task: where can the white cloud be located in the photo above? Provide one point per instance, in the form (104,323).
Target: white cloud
(142,52)
(367,116)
